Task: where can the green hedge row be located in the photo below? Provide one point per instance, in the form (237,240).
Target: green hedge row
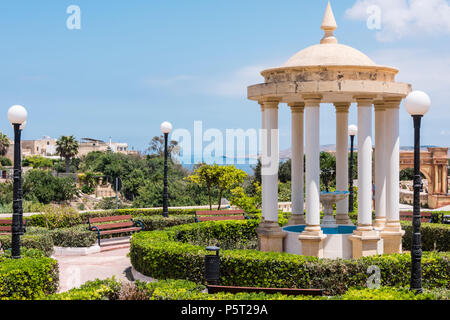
(150,252)
(32,277)
(110,289)
(434,236)
(35,238)
(69,218)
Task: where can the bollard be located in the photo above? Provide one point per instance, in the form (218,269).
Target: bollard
(212,266)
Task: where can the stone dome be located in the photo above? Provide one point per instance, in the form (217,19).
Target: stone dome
(329,54)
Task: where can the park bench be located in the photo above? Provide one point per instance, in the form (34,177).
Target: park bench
(6,226)
(219,215)
(287,291)
(114,225)
(408,216)
(445,219)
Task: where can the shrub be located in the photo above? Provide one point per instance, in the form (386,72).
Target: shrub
(74,237)
(108,289)
(434,236)
(31,277)
(150,252)
(35,238)
(55,217)
(158,222)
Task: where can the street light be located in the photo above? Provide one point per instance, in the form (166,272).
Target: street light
(417,104)
(352,131)
(166,128)
(17,115)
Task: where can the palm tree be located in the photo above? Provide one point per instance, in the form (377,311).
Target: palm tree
(67,148)
(4,144)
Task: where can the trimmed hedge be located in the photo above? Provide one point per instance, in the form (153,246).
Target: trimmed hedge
(31,277)
(67,219)
(150,252)
(74,237)
(35,238)
(110,289)
(435,237)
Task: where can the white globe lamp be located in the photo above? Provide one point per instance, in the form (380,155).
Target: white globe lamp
(417,103)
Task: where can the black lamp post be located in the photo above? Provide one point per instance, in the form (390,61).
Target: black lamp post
(417,104)
(352,131)
(17,115)
(166,128)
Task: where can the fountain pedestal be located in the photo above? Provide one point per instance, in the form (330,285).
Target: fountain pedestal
(328,199)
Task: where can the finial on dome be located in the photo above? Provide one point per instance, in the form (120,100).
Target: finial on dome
(329,25)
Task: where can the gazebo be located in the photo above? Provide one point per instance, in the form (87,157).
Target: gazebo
(334,73)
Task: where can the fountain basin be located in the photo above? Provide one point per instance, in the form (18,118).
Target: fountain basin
(328,199)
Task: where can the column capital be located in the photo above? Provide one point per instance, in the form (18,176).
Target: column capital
(364,99)
(379,105)
(268,103)
(297,107)
(312,99)
(392,102)
(342,107)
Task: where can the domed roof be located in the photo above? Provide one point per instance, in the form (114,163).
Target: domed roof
(329,54)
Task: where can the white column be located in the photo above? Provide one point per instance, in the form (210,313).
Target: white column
(269,170)
(297,164)
(393,165)
(380,164)
(312,134)
(364,164)
(342,160)
(263,139)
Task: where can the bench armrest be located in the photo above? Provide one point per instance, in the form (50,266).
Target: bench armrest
(138,222)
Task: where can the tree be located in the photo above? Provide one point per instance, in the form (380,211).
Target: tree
(37,162)
(221,178)
(67,148)
(156,147)
(4,144)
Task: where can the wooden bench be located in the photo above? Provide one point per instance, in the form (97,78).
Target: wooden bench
(114,225)
(445,219)
(6,226)
(287,291)
(219,215)
(408,216)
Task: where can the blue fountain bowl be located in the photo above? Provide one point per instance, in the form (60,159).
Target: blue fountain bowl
(338,230)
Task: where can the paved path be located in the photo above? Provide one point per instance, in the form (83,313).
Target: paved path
(75,271)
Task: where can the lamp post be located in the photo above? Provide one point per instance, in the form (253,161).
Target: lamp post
(166,128)
(17,115)
(352,131)
(417,104)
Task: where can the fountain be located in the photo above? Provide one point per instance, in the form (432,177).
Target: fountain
(328,199)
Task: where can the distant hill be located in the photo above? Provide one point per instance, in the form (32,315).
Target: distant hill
(286,153)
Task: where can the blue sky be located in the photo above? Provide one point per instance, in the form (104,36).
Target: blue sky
(137,63)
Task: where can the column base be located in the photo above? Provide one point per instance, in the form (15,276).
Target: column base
(270,236)
(365,242)
(392,235)
(296,219)
(343,219)
(312,241)
(379,223)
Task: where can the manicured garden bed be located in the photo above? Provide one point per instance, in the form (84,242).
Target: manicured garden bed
(184,247)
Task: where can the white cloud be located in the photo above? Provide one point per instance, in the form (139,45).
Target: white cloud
(425,69)
(402,18)
(236,83)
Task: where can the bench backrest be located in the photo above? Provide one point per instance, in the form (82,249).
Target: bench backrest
(100,223)
(218,215)
(6,225)
(408,216)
